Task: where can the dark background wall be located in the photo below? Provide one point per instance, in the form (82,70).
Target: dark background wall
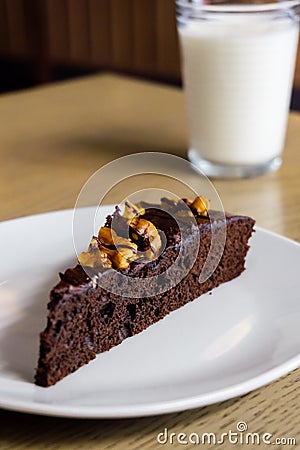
(46,40)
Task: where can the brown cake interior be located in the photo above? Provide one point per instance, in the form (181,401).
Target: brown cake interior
(85,319)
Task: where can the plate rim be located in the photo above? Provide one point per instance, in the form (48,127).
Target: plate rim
(155,409)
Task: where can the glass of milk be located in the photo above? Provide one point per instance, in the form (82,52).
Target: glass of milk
(238,61)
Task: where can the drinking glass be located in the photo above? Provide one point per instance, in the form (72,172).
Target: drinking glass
(238,61)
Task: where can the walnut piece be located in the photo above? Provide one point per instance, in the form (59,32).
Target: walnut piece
(117,260)
(145,234)
(110,250)
(94,257)
(109,239)
(200,206)
(107,236)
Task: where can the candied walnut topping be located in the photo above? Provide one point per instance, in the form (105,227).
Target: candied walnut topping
(95,257)
(200,206)
(118,260)
(99,257)
(119,250)
(145,234)
(110,250)
(109,238)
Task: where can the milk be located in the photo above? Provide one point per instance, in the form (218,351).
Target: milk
(238,73)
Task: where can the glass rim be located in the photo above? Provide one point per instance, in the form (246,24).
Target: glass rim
(199,5)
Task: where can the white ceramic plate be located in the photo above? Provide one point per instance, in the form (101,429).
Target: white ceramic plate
(241,337)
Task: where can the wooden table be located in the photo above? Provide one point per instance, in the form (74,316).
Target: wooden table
(51,140)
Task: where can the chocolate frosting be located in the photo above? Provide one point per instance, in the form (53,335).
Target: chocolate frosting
(164,222)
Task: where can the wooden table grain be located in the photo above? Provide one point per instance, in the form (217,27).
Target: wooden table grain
(51,140)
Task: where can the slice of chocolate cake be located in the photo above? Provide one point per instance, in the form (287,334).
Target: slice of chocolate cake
(142,265)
